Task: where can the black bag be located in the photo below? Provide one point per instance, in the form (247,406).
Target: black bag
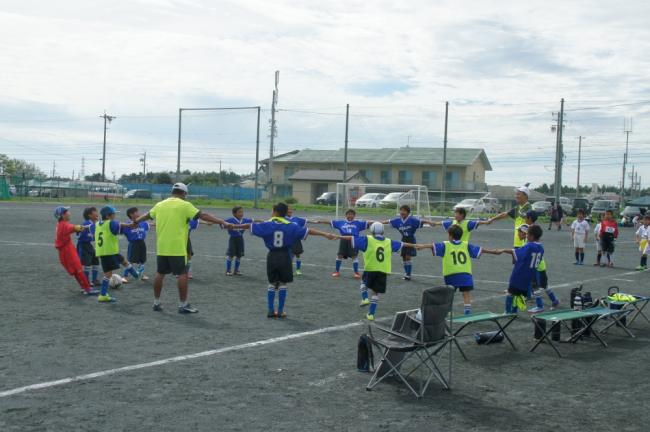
(540,329)
(365,356)
(580,300)
(615,290)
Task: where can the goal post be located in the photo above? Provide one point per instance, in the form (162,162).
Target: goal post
(376,200)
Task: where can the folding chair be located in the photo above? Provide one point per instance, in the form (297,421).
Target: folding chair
(479,317)
(420,340)
(637,306)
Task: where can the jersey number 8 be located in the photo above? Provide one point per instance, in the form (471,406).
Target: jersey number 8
(278,239)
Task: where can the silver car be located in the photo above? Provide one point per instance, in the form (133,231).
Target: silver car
(370,200)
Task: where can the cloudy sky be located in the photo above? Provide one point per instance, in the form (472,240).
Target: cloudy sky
(502,65)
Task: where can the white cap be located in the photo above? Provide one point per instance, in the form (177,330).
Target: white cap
(376,228)
(523,228)
(523,189)
(180,187)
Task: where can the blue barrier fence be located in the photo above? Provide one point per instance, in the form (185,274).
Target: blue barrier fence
(215,192)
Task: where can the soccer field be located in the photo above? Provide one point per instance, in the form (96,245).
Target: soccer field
(69,363)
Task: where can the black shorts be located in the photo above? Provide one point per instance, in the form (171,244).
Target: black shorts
(375,281)
(607,243)
(407,251)
(137,252)
(297,248)
(176,265)
(346,250)
(235,247)
(278,266)
(190,250)
(111,262)
(86,252)
(466,288)
(517,291)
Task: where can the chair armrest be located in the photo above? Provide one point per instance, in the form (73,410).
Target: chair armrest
(399,335)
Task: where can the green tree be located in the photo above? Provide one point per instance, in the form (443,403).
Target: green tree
(97,177)
(19,167)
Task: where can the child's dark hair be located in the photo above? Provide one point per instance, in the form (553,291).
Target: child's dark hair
(348,211)
(581,211)
(405,207)
(455,232)
(461,211)
(281,209)
(610,211)
(88,211)
(130,211)
(535,231)
(235,209)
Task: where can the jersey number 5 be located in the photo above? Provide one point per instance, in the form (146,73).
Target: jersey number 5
(278,239)
(100,239)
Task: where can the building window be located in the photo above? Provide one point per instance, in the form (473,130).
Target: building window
(404,177)
(288,172)
(384,177)
(452,180)
(429,179)
(367,174)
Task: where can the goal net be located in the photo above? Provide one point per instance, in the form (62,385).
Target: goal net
(373,200)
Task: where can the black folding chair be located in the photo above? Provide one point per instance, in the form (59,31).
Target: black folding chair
(419,339)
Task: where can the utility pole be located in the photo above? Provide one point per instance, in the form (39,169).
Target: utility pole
(579,158)
(444,161)
(107,119)
(53,169)
(559,152)
(628,130)
(257,157)
(143,161)
(82,173)
(345,151)
(178,155)
(220,175)
(274,131)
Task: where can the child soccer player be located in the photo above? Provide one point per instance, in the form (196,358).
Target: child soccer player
(642,235)
(137,250)
(377,264)
(67,254)
(459,219)
(580,232)
(407,225)
(599,249)
(456,257)
(85,247)
(527,259)
(608,235)
(297,249)
(235,249)
(279,235)
(107,243)
(540,280)
(348,227)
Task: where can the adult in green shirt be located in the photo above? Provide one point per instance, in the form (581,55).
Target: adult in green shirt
(172,217)
(518,213)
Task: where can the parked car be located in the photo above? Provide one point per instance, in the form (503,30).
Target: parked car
(394,198)
(630,211)
(492,205)
(138,193)
(12,190)
(581,203)
(370,200)
(471,205)
(327,198)
(542,207)
(566,203)
(601,206)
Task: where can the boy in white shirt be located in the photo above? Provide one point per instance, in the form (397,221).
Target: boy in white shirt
(599,249)
(642,235)
(580,232)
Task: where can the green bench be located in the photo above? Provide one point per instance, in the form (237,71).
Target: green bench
(464,321)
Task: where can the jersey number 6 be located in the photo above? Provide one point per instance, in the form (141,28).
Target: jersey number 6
(380,254)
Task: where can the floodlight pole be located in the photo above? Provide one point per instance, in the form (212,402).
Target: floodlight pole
(178,157)
(444,161)
(345,151)
(107,119)
(257,157)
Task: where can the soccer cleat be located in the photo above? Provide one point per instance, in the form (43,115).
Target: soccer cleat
(96,283)
(91,292)
(298,272)
(336,274)
(187,309)
(555,304)
(144,277)
(370,317)
(611,264)
(106,299)
(228,273)
(271,314)
(357,275)
(237,273)
(640,268)
(407,277)
(576,263)
(364,302)
(282,315)
(535,310)
(157,307)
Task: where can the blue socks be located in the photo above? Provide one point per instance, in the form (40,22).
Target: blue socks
(95,273)
(130,270)
(271,298)
(408,267)
(364,292)
(282,296)
(104,290)
(551,296)
(236,265)
(338,265)
(228,264)
(373,304)
(298,263)
(509,306)
(355,265)
(87,272)
(538,300)
(467,309)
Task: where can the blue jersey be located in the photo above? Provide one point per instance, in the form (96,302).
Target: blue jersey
(301,222)
(194,224)
(471,224)
(87,236)
(406,226)
(361,243)
(134,234)
(458,279)
(237,232)
(278,235)
(527,259)
(350,228)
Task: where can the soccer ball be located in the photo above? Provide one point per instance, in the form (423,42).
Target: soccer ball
(115,281)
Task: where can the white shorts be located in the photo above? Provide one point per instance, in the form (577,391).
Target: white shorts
(579,242)
(599,249)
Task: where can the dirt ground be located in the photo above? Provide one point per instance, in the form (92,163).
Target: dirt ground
(253,373)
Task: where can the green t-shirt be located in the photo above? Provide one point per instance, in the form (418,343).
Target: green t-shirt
(172,218)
